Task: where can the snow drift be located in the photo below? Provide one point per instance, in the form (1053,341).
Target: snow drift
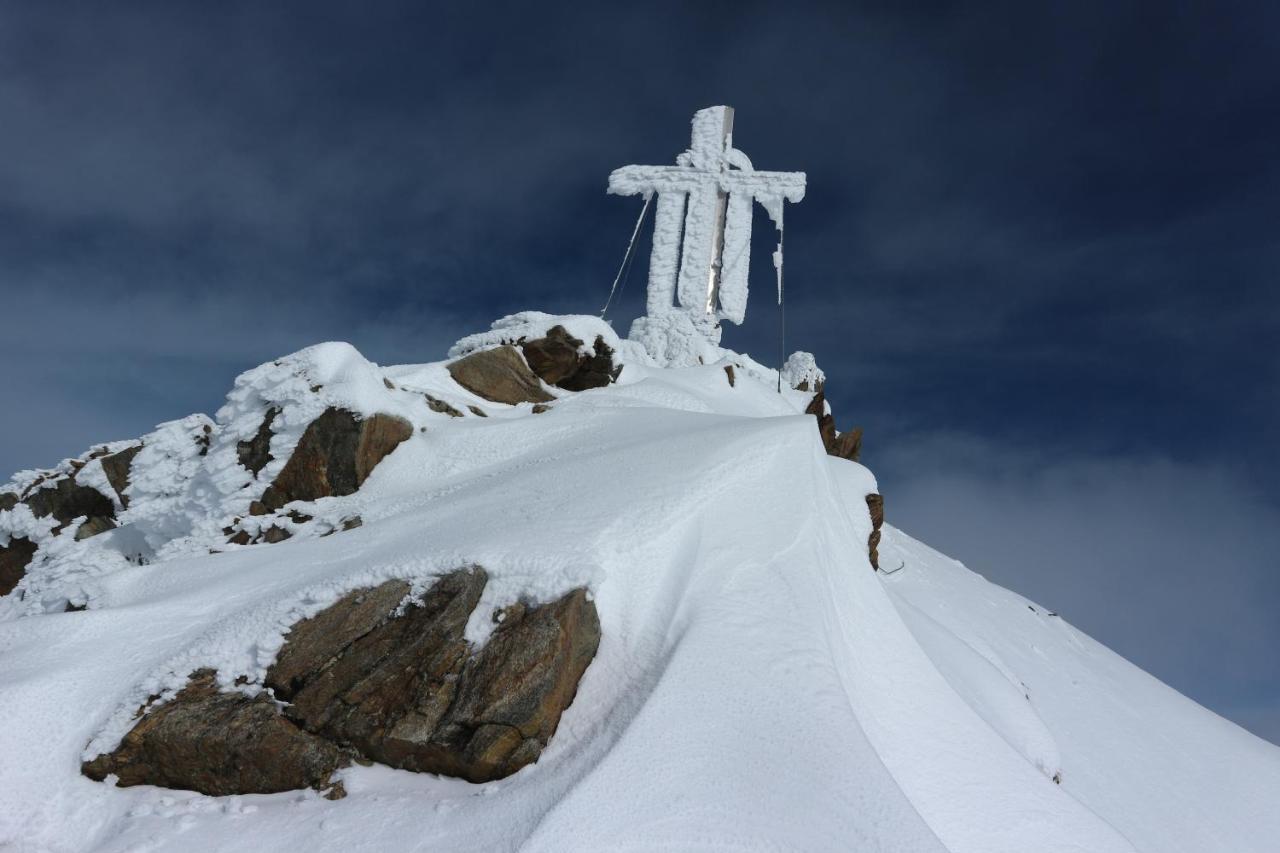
(757,686)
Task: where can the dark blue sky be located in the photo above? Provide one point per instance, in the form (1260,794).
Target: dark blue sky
(1038,258)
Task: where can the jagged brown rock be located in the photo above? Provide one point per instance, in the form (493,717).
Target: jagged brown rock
(93,526)
(218,743)
(359,671)
(395,682)
(8,500)
(500,375)
(437,405)
(315,643)
(556,360)
(826,423)
(513,693)
(553,358)
(728,371)
(334,457)
(846,445)
(14,559)
(117,467)
(875,504)
(67,500)
(405,689)
(255,453)
(273,534)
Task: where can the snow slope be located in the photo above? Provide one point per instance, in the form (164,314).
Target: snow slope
(1166,772)
(757,687)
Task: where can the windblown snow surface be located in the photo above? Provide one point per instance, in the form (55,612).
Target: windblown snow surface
(757,687)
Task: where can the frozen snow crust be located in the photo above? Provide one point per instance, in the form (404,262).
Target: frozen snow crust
(757,686)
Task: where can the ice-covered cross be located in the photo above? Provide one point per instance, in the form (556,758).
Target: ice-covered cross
(702,228)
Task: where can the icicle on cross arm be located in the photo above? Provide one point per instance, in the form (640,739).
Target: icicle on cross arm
(702,229)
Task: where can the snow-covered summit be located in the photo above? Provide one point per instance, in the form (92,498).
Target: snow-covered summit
(757,685)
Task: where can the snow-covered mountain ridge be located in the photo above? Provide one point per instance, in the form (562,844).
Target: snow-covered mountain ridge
(757,685)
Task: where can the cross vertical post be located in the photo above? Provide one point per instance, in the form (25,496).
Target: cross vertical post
(717,229)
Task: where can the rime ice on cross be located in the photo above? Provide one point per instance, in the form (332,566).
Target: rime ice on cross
(702,228)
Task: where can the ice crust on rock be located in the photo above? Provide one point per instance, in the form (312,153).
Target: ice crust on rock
(530,325)
(801,371)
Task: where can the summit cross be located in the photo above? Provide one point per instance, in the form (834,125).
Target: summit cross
(702,228)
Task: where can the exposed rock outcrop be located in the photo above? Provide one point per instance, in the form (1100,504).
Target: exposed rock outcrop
(14,559)
(218,743)
(275,533)
(334,457)
(557,360)
(255,453)
(875,504)
(93,526)
(8,501)
(117,467)
(513,693)
(499,374)
(846,445)
(404,689)
(67,500)
(375,675)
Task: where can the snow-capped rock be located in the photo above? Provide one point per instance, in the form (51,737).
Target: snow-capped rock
(380,673)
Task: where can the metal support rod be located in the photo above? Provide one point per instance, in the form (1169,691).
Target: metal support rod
(626,259)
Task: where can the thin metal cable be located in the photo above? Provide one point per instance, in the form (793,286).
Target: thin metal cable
(625,269)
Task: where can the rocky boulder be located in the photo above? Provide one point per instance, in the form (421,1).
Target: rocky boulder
(254,453)
(117,467)
(846,445)
(499,374)
(334,457)
(512,694)
(67,500)
(14,559)
(93,526)
(557,360)
(405,690)
(378,675)
(218,743)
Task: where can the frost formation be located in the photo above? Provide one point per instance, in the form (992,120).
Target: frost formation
(711,182)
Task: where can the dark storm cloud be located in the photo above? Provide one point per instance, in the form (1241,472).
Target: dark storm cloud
(1030,226)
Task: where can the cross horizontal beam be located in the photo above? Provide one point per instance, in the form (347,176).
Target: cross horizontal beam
(636,180)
